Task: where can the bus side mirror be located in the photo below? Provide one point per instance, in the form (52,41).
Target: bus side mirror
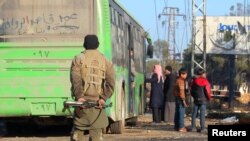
(150,51)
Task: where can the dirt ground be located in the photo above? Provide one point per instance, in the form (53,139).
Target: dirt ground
(143,131)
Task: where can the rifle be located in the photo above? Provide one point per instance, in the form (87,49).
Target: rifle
(86,104)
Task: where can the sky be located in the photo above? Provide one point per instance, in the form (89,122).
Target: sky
(146,13)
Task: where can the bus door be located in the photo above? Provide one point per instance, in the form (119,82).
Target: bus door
(131,97)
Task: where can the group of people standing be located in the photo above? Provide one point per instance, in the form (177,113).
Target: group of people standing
(168,97)
(162,99)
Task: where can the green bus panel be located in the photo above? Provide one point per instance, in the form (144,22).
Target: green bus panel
(21,107)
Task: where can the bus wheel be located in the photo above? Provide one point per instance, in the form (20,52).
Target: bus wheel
(132,121)
(104,130)
(116,127)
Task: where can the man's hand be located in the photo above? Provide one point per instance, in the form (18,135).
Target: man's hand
(81,99)
(101,102)
(132,84)
(184,103)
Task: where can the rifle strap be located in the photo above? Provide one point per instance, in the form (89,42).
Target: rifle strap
(70,112)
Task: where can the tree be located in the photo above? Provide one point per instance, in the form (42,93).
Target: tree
(232,12)
(161,51)
(242,61)
(239,10)
(187,58)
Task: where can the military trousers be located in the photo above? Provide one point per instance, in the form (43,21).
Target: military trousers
(94,135)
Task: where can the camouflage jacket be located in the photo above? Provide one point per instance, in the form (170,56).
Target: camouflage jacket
(91,118)
(76,79)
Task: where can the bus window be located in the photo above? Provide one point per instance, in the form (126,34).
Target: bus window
(25,21)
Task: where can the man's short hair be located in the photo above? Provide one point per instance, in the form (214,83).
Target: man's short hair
(182,71)
(169,68)
(91,42)
(200,71)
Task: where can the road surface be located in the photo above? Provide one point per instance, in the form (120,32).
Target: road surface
(143,131)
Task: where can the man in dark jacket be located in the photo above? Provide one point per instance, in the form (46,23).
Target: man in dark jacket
(169,85)
(201,93)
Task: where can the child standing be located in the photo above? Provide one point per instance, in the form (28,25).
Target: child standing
(179,91)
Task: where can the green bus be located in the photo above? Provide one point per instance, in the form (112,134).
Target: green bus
(38,40)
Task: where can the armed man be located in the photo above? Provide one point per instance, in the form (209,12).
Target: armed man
(92,79)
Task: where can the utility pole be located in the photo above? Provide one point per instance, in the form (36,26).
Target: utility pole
(172,13)
(231,83)
(201,47)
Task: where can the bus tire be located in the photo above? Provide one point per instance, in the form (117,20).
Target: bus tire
(104,130)
(116,127)
(132,121)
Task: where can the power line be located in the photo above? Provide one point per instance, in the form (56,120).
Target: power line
(165,30)
(156,17)
(197,62)
(187,13)
(172,13)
